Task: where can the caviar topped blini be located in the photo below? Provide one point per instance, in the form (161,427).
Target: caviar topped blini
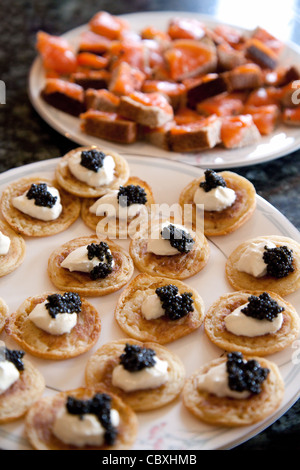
(91,171)
(156,309)
(225,200)
(21,384)
(268,263)
(55,326)
(90,267)
(170,250)
(146,376)
(120,211)
(38,207)
(234,390)
(81,419)
(258,323)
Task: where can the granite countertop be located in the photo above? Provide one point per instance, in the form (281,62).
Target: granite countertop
(26,138)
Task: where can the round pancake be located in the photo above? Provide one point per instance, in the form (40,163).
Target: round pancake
(230,219)
(41,344)
(30,226)
(161,330)
(17,250)
(282,286)
(101,364)
(71,184)
(232,412)
(81,283)
(214,326)
(39,421)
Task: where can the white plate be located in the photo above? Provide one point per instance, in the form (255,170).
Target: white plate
(171,427)
(282,142)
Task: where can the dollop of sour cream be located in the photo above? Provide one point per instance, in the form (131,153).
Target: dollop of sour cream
(103,176)
(215,381)
(28,206)
(9,374)
(81,430)
(251,261)
(4,244)
(151,307)
(160,246)
(240,324)
(216,199)
(62,323)
(147,378)
(109,206)
(78,260)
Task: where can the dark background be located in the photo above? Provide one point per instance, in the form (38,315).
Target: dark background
(26,138)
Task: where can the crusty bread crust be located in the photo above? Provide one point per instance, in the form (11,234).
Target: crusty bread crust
(40,418)
(214,326)
(81,189)
(223,222)
(21,395)
(101,364)
(231,412)
(151,116)
(243,281)
(161,330)
(94,221)
(39,343)
(181,266)
(17,250)
(26,225)
(81,283)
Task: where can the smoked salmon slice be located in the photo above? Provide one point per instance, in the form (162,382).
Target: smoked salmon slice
(264,117)
(186,28)
(108,25)
(91,60)
(188,58)
(225,104)
(92,42)
(56,53)
(239,131)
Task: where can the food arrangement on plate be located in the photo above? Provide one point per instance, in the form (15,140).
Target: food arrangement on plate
(188,88)
(157,307)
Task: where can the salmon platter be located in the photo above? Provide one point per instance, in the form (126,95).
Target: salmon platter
(186,87)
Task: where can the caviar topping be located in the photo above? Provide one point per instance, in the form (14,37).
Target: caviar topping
(92,159)
(14,356)
(100,406)
(136,358)
(212,180)
(41,196)
(179,238)
(67,303)
(262,307)
(103,253)
(131,194)
(279,261)
(245,375)
(175,306)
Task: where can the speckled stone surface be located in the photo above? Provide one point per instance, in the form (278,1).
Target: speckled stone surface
(26,138)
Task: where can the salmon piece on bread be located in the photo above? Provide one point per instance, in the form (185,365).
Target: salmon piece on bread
(108,126)
(63,95)
(239,131)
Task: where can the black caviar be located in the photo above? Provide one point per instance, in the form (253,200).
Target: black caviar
(179,238)
(103,253)
(131,194)
(262,307)
(69,302)
(279,261)
(15,356)
(92,159)
(212,180)
(100,406)
(40,194)
(245,375)
(136,358)
(175,306)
